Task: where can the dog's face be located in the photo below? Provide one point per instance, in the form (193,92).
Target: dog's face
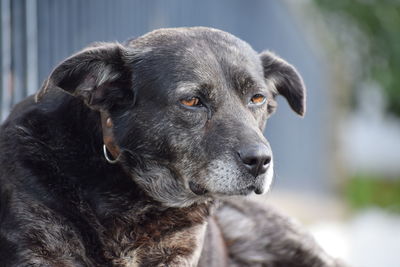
(188,107)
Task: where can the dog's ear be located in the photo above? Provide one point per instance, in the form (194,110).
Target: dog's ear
(286,79)
(99,75)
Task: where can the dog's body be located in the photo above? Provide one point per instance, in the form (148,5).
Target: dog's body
(183,115)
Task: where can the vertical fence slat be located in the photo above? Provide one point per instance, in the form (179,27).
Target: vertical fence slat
(6,81)
(18,51)
(31,47)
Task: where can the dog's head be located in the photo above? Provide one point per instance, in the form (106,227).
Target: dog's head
(188,106)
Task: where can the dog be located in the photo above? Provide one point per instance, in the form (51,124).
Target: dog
(134,154)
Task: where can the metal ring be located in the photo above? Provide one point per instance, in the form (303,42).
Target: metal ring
(105,152)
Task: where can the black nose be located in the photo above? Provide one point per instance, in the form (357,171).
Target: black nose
(255,158)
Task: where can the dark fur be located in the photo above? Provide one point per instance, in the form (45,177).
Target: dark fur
(62,204)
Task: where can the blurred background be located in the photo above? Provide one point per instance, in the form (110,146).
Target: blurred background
(337,169)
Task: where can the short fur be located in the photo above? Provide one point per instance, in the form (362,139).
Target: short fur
(63,204)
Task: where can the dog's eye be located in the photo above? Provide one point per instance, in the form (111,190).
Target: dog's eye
(191,102)
(258,99)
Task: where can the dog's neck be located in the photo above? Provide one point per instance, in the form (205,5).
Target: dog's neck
(151,235)
(135,230)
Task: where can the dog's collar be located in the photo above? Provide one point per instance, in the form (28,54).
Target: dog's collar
(108,138)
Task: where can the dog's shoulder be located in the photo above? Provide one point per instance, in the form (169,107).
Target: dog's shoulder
(35,199)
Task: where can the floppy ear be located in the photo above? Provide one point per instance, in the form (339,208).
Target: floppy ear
(286,79)
(99,75)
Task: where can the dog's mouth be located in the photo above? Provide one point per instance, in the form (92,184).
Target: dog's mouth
(246,191)
(199,190)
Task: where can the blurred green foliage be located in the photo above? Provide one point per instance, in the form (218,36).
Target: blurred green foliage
(368,190)
(379,21)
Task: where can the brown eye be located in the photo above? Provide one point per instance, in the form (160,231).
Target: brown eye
(258,99)
(192,102)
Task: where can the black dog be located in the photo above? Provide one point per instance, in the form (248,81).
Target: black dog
(120,158)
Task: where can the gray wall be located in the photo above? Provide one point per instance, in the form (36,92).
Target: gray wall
(36,34)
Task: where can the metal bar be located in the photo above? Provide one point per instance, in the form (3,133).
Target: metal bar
(18,56)
(31,47)
(6,81)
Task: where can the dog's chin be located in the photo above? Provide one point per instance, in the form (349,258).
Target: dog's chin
(259,186)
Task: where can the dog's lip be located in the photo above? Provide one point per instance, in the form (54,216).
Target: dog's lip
(258,191)
(238,192)
(197,188)
(247,190)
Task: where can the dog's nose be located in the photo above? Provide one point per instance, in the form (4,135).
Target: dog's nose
(256,159)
